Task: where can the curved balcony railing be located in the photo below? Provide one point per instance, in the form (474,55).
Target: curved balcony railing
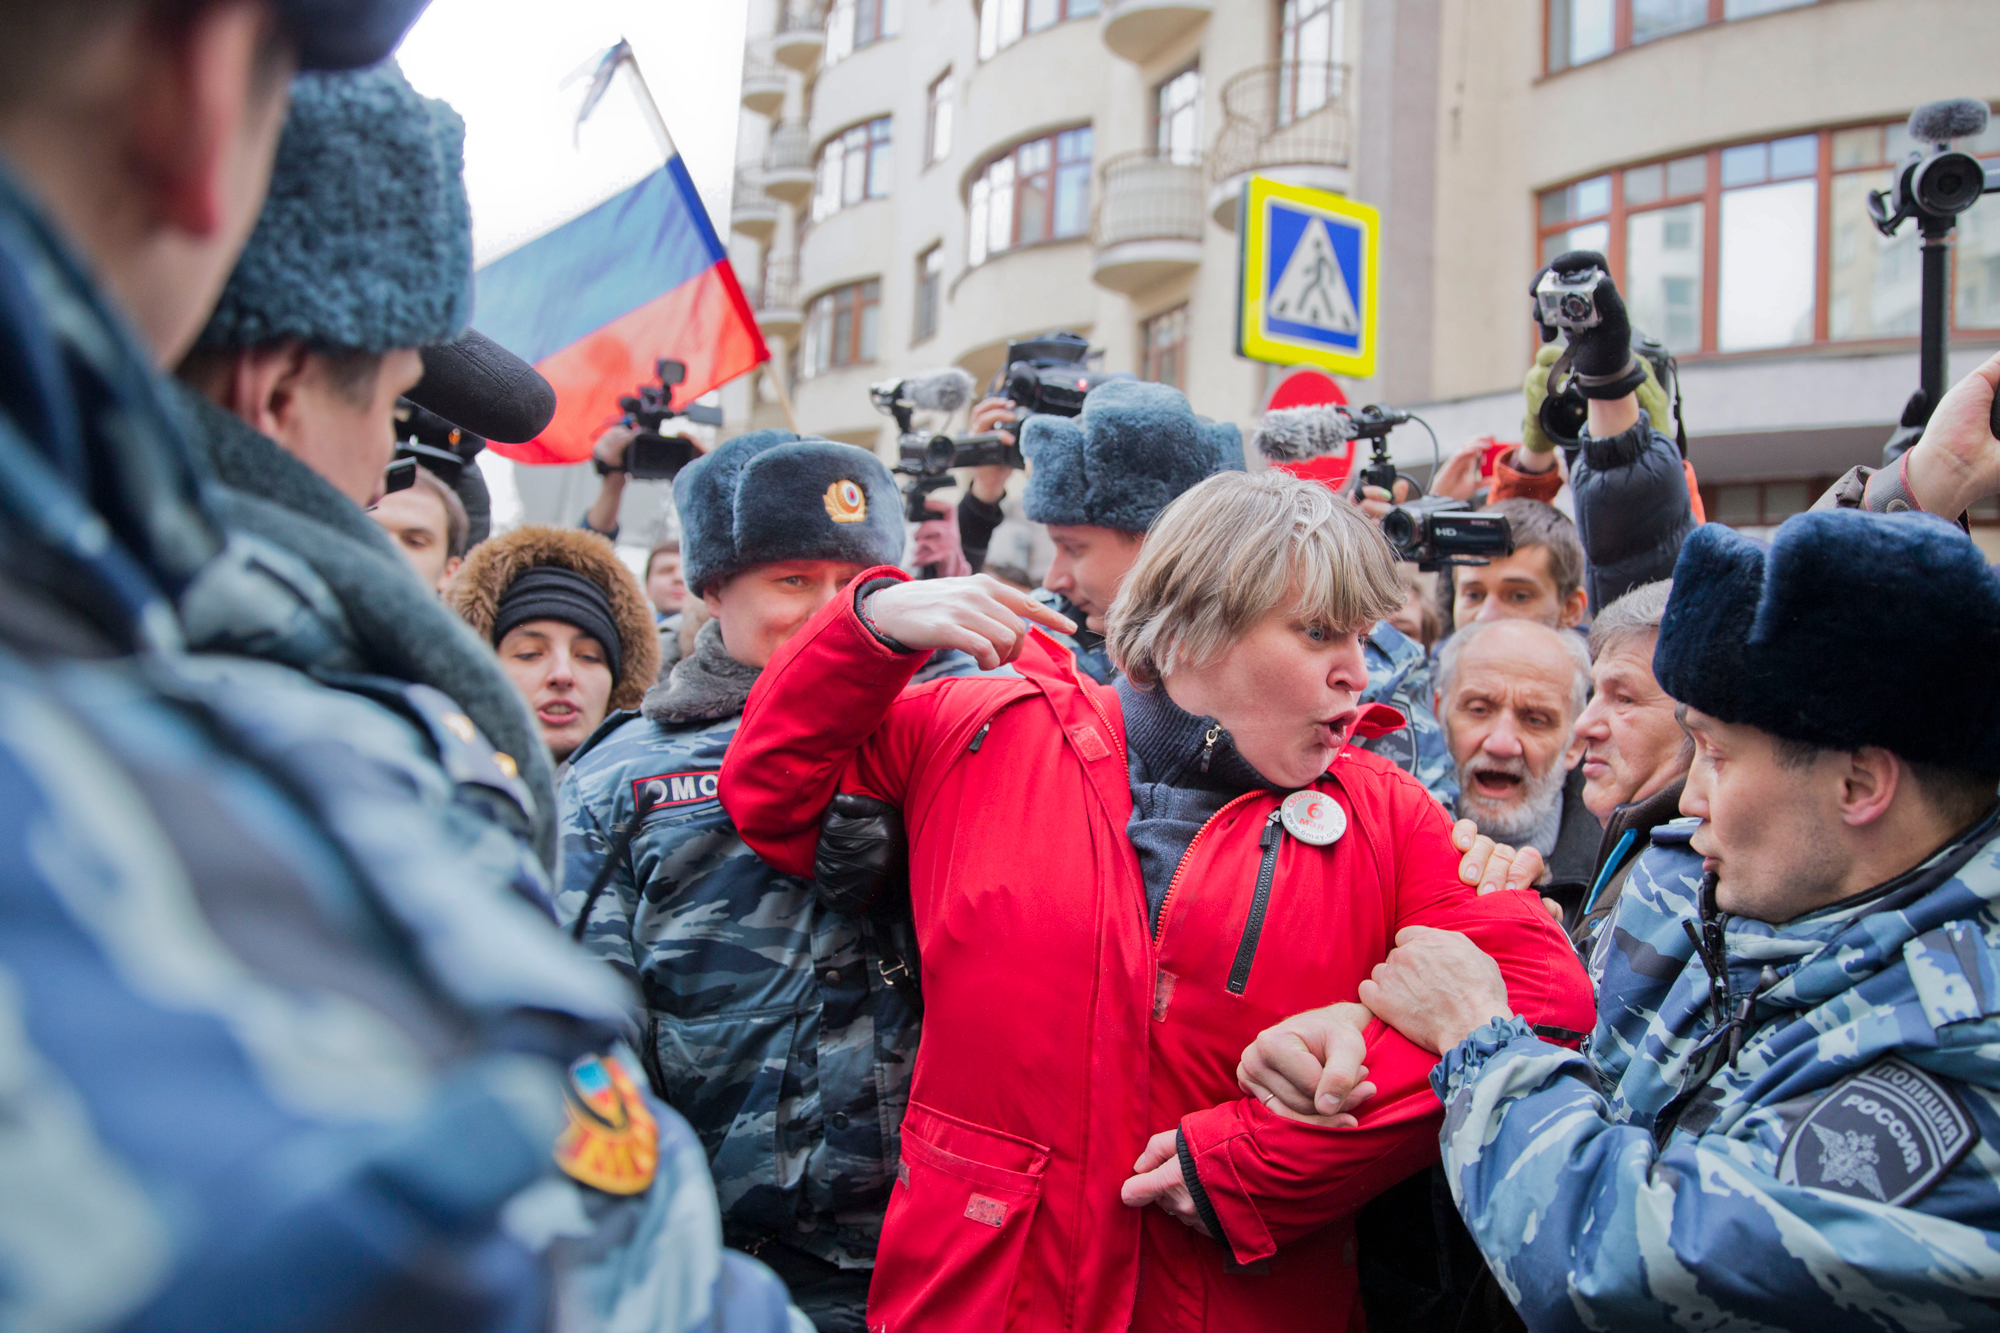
(800,36)
(1148,222)
(763,87)
(779,287)
(788,163)
(1297,113)
(752,211)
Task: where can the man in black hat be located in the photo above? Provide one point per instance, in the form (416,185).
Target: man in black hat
(1785,1116)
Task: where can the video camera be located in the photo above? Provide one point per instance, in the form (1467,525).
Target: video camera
(653,455)
(928,460)
(1432,530)
(1048,375)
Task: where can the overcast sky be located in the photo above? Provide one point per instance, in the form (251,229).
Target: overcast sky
(517,70)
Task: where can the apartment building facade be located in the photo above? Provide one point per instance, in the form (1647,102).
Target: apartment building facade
(922,181)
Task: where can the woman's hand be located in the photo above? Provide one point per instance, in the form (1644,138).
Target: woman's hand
(980,616)
(1157,1179)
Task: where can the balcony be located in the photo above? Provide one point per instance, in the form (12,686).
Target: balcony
(1148,223)
(788,164)
(752,211)
(800,37)
(763,87)
(1140,30)
(779,314)
(1293,122)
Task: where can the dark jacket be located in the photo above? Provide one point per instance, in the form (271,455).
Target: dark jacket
(1575,854)
(1632,511)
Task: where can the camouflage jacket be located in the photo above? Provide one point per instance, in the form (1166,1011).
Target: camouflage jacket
(1839,1172)
(272,1021)
(1398,675)
(767,1022)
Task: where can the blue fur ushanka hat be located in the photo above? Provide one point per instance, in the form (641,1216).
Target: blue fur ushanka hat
(365,241)
(1850,629)
(1134,450)
(772,495)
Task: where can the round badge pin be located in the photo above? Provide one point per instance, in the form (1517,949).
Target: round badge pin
(1314,817)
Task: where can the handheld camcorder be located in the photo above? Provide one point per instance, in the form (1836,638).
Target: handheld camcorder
(927,460)
(1048,374)
(654,455)
(1432,530)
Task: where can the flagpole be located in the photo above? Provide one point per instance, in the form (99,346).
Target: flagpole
(658,124)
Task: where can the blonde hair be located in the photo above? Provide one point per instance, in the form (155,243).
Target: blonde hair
(1236,548)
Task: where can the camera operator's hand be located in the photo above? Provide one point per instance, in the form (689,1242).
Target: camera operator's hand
(611,446)
(1375,501)
(937,541)
(1605,348)
(1459,477)
(995,414)
(980,616)
(1957,462)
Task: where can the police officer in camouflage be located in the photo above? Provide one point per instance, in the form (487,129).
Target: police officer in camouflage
(1098,482)
(771,1022)
(1786,1116)
(278,1046)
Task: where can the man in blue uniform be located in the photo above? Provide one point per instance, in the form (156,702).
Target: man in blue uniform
(783,1030)
(1786,1117)
(278,1049)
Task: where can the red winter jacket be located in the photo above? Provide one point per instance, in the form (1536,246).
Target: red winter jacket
(1060,1033)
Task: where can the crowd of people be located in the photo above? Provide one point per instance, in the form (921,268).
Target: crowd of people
(413,927)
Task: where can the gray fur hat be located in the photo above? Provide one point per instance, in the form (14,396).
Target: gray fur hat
(1135,449)
(365,241)
(772,495)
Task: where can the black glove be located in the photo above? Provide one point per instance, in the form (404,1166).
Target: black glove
(863,860)
(1601,355)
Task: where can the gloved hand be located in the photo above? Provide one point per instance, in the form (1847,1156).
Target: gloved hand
(1601,355)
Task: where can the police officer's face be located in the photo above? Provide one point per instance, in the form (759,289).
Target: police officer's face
(339,423)
(1089,565)
(1632,745)
(1772,833)
(1286,692)
(765,605)
(416,521)
(564,675)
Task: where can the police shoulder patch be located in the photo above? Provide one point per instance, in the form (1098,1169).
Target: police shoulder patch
(663,790)
(1888,1133)
(611,1142)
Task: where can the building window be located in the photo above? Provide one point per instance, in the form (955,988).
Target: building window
(937,118)
(1162,347)
(1177,117)
(853,166)
(853,24)
(1035,191)
(1721,251)
(1310,42)
(1580,31)
(1760,504)
(930,288)
(842,328)
(1005,22)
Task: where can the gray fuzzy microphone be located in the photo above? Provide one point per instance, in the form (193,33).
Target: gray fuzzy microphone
(944,390)
(1295,434)
(1953,118)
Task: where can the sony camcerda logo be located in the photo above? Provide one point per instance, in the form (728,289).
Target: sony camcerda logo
(664,790)
(1888,1133)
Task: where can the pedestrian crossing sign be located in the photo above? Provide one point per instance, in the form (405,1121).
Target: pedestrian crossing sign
(1307,278)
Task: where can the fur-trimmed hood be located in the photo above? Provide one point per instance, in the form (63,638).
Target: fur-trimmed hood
(493,566)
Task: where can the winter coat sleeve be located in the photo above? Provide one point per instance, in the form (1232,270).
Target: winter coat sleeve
(1632,510)
(823,716)
(1511,483)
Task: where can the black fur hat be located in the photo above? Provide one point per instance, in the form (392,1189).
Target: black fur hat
(1132,453)
(1849,629)
(772,495)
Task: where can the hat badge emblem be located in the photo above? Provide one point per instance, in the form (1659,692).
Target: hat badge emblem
(846,502)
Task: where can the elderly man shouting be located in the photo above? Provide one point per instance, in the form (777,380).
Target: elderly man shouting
(1509,693)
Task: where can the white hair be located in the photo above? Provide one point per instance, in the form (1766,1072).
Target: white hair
(1572,642)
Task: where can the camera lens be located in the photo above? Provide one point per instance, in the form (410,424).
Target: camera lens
(1575,306)
(1949,183)
(1400,526)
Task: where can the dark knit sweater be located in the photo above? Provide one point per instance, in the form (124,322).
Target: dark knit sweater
(1172,797)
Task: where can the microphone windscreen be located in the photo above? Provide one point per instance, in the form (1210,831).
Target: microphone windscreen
(944,390)
(1954,118)
(480,386)
(1294,434)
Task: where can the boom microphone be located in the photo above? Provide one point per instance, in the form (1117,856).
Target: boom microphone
(1294,434)
(944,390)
(475,383)
(1953,118)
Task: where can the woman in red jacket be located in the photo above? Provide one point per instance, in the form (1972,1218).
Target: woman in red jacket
(1115,889)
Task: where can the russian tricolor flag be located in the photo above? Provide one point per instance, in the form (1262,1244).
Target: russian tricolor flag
(596,302)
